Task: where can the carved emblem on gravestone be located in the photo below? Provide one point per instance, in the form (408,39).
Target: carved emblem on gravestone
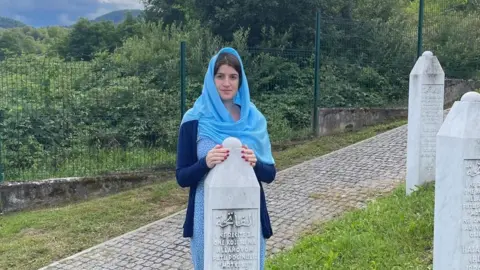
(232,219)
(473,168)
(431,89)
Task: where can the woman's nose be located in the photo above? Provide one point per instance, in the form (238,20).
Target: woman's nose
(226,82)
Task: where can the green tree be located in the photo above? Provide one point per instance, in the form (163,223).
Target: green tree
(223,18)
(88,38)
(15,42)
(128,27)
(169,11)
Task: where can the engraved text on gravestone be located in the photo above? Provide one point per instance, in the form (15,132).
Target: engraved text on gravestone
(431,111)
(471,215)
(235,237)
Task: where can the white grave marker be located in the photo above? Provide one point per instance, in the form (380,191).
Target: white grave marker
(232,213)
(425,116)
(457,188)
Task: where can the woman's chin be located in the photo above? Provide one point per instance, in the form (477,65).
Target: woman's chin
(227,98)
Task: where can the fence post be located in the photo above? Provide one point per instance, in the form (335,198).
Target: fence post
(316,76)
(182,79)
(2,172)
(420,28)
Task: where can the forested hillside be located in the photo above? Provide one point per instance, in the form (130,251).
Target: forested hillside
(10,23)
(118,16)
(97,88)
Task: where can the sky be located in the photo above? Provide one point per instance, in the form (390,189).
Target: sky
(40,13)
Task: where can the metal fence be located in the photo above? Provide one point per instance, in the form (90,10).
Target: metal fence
(62,119)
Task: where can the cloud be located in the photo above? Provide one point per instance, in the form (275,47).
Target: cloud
(124,4)
(63,12)
(64,19)
(47,5)
(20,18)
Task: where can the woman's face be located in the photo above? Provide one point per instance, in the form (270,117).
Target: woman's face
(226,81)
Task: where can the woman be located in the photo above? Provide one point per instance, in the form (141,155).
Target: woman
(222,110)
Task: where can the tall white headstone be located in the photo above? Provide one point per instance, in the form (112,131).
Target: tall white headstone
(425,116)
(232,213)
(457,188)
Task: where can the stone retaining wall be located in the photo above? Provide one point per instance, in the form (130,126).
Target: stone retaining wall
(16,196)
(335,120)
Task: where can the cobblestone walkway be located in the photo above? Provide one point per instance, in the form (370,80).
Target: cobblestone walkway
(315,190)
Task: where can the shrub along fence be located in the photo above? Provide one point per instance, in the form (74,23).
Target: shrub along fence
(121,112)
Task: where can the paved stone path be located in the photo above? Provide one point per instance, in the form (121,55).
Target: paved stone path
(316,190)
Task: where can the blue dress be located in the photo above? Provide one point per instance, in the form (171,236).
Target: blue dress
(196,242)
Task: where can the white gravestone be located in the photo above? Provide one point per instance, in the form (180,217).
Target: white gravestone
(232,213)
(425,116)
(457,188)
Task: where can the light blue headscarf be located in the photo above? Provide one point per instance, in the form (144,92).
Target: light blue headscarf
(216,123)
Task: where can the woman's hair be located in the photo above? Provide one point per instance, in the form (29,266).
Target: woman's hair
(230,60)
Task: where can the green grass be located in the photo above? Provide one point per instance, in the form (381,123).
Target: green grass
(392,232)
(33,239)
(94,162)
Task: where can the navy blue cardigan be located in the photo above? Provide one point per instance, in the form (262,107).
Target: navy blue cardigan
(190,171)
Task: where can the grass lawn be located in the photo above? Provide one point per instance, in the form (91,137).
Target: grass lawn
(93,162)
(392,232)
(34,239)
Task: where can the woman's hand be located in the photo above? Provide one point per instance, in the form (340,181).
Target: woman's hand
(216,155)
(249,155)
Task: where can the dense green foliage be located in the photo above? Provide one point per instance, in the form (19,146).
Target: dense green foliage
(29,40)
(101,87)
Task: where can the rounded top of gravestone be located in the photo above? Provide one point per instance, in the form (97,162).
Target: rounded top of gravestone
(232,142)
(471,97)
(427,53)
